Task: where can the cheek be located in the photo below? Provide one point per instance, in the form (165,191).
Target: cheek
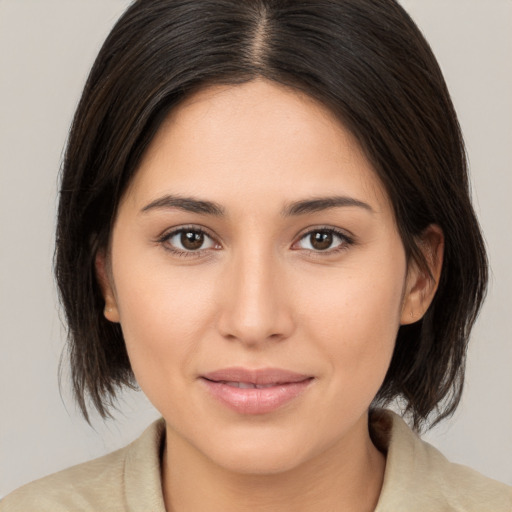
(354,320)
(356,300)
(164,314)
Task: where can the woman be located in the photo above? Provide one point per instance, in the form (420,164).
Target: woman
(265,222)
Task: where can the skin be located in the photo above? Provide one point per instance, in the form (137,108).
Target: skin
(257,294)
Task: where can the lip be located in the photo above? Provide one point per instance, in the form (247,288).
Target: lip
(276,388)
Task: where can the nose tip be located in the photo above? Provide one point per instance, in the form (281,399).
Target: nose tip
(252,326)
(255,308)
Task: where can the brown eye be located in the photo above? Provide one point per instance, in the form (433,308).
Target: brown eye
(192,240)
(326,240)
(189,240)
(321,240)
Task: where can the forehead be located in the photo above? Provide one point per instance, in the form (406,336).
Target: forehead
(260,137)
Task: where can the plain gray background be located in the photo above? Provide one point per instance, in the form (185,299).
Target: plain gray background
(46,50)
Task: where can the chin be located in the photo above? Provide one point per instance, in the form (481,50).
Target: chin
(260,462)
(263,451)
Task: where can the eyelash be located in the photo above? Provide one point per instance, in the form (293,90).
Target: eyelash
(166,237)
(345,241)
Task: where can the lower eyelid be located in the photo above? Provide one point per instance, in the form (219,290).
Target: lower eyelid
(181,231)
(344,239)
(166,237)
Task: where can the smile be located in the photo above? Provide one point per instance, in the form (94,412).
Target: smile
(255,391)
(248,385)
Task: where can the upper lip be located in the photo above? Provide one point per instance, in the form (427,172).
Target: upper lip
(262,376)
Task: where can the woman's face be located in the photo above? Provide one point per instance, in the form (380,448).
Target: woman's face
(259,278)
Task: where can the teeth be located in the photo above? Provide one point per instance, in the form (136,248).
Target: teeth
(248,385)
(242,385)
(245,385)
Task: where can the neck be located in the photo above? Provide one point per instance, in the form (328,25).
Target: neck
(346,476)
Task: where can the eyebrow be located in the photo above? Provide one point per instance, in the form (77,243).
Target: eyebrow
(188,204)
(302,207)
(323,203)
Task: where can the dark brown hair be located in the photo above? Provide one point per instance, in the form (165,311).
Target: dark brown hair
(366,61)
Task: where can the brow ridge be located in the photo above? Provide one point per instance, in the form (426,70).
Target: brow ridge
(323,203)
(295,208)
(189,204)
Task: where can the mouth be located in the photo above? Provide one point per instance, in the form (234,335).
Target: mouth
(255,391)
(246,385)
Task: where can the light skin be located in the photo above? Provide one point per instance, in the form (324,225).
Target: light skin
(256,234)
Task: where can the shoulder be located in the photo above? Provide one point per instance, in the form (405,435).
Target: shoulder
(106,483)
(418,477)
(81,487)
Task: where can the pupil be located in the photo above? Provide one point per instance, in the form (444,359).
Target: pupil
(321,240)
(192,240)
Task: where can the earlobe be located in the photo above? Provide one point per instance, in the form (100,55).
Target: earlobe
(421,283)
(104,278)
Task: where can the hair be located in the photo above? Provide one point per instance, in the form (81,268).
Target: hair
(363,59)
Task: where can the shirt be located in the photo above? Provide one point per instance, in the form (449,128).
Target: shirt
(417,478)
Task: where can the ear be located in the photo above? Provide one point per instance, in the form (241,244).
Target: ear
(421,284)
(105,281)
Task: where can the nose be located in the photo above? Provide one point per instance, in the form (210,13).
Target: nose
(255,307)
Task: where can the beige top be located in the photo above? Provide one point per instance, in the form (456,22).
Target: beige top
(417,479)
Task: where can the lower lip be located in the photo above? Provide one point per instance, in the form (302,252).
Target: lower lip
(256,401)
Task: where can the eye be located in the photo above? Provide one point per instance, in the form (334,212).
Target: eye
(326,240)
(187,240)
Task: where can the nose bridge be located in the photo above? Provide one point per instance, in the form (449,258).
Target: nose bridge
(254,309)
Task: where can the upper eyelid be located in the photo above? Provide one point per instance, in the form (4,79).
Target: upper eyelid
(164,241)
(343,233)
(170,232)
